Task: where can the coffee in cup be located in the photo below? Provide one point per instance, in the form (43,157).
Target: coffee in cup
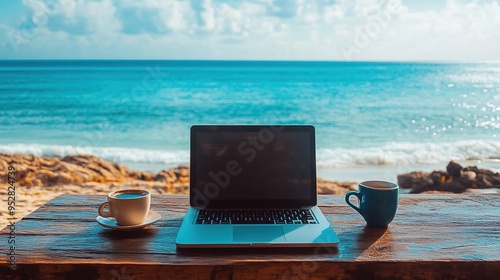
(128,207)
(378,202)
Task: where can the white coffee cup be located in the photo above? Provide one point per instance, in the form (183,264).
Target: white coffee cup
(128,207)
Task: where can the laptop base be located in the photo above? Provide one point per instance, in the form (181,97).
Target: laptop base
(193,235)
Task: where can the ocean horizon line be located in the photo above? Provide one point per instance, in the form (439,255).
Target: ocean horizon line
(253,60)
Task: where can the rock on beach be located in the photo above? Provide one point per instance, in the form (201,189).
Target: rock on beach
(455,179)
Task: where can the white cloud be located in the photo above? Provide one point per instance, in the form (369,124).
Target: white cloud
(460,31)
(333,12)
(74,16)
(258,29)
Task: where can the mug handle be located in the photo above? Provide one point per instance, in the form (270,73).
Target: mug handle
(101,208)
(358,195)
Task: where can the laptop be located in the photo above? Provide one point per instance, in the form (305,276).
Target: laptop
(253,186)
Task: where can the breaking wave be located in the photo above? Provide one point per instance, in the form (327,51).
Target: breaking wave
(390,154)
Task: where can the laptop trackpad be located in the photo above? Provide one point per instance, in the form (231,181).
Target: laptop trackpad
(253,234)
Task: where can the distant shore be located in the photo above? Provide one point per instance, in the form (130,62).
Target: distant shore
(40,179)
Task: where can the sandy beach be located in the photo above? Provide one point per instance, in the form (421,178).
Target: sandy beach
(40,179)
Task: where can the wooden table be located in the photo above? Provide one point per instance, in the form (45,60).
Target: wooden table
(432,236)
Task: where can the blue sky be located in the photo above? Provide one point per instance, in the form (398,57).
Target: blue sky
(390,30)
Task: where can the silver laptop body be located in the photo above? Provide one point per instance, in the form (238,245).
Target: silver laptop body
(253,186)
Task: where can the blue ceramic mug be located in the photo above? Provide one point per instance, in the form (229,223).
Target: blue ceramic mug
(378,202)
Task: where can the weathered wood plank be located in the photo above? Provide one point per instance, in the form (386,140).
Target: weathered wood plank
(439,236)
(268,270)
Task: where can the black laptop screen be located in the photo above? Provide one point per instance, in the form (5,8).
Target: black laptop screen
(253,166)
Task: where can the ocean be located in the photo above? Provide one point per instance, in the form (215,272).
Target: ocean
(369,116)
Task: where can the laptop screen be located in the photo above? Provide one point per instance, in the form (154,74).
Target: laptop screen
(252,166)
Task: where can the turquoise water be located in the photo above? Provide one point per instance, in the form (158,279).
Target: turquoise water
(140,111)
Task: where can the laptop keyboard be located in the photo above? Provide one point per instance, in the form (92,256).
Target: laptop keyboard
(255,216)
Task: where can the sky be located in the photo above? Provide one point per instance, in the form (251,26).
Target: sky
(345,30)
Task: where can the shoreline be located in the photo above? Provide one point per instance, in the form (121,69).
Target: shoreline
(356,174)
(40,179)
(390,159)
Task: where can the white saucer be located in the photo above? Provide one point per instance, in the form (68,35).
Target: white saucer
(152,218)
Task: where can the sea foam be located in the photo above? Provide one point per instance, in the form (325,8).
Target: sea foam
(390,154)
(115,154)
(408,154)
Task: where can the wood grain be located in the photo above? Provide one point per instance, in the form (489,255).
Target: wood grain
(438,236)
